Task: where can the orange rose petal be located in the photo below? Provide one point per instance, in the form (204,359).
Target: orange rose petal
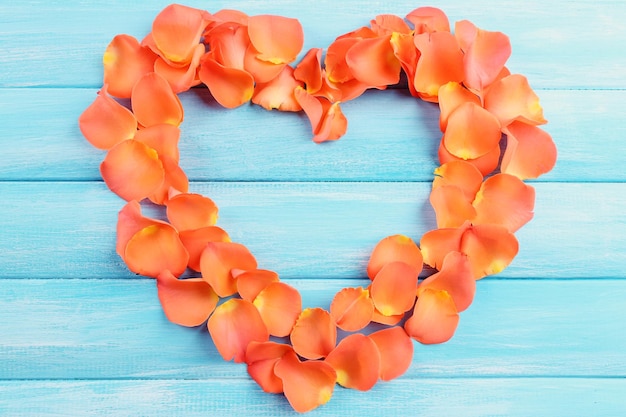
(231,16)
(228,44)
(175,181)
(333,125)
(233,326)
(505,200)
(511,98)
(162,138)
(395,348)
(391,249)
(105,123)
(187,302)
(352,309)
(471,132)
(307,385)
(451,206)
(428,19)
(434,318)
(485,54)
(154,102)
(278,93)
(280,306)
(404,49)
(373,62)
(125,61)
(393,288)
(485,163)
(132,170)
(277,39)
(451,96)
(441,61)
(181,78)
(154,249)
(261,71)
(314,335)
(129,222)
(337,69)
(176,31)
(530,151)
(217,261)
(261,358)
(455,277)
(386,24)
(230,87)
(490,248)
(187,211)
(461,174)
(437,243)
(309,70)
(195,241)
(378,317)
(356,361)
(251,283)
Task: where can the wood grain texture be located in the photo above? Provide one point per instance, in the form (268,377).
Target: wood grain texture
(102,329)
(306,230)
(391,136)
(475,397)
(82,336)
(556,44)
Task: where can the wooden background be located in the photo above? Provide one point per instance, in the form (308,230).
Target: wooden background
(82,336)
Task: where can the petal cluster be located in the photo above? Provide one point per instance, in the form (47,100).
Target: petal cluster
(491,142)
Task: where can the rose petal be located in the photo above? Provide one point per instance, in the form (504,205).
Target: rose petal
(187,211)
(230,87)
(391,249)
(261,358)
(217,261)
(233,326)
(125,61)
(196,240)
(356,361)
(309,70)
(530,151)
(251,283)
(280,306)
(352,309)
(307,385)
(511,98)
(451,206)
(278,39)
(393,288)
(434,318)
(314,334)
(175,181)
(181,78)
(471,132)
(278,93)
(440,62)
(187,302)
(396,351)
(154,249)
(485,164)
(132,170)
(105,123)
(505,200)
(455,277)
(154,102)
(176,31)
(451,96)
(490,248)
(428,19)
(373,62)
(129,222)
(461,174)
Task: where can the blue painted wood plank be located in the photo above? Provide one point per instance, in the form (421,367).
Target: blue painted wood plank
(475,397)
(104,329)
(554,43)
(391,136)
(302,230)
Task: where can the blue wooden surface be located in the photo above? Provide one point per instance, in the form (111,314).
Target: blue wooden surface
(80,335)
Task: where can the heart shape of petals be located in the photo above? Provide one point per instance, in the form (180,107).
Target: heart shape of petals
(491,141)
